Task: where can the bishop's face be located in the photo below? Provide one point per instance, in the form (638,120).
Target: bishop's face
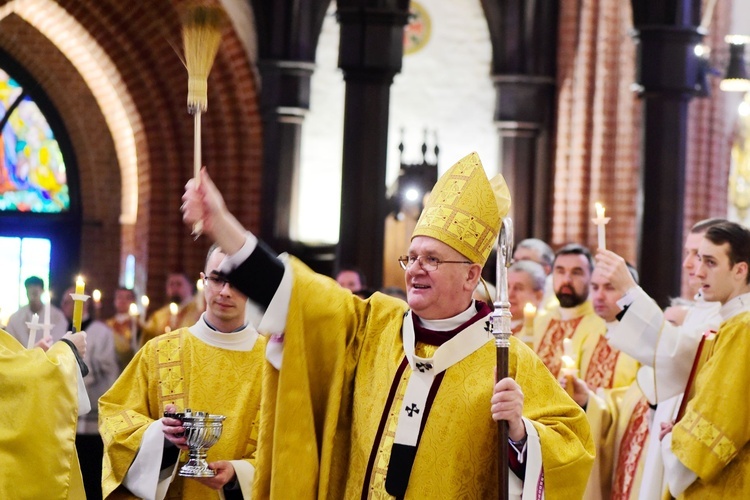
(444,292)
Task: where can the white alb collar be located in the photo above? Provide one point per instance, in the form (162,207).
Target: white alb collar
(241,340)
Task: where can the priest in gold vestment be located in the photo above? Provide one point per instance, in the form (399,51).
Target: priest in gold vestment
(124,327)
(707,453)
(574,317)
(40,401)
(369,399)
(189,309)
(215,366)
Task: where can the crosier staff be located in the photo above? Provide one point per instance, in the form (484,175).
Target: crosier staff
(501,330)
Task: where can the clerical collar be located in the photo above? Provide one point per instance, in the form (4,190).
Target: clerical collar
(444,325)
(238,340)
(738,304)
(477,311)
(122,317)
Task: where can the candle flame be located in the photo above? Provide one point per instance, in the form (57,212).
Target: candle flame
(173,309)
(568,362)
(144,301)
(96,295)
(599,210)
(133,309)
(79,281)
(199,285)
(529,309)
(46,297)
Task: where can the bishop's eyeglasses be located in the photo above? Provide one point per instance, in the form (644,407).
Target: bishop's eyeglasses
(426,262)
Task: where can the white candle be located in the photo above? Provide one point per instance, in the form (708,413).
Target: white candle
(33,327)
(569,369)
(601,221)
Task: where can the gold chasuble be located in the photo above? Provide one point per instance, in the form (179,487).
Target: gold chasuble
(553,326)
(712,437)
(39,401)
(330,414)
(181,369)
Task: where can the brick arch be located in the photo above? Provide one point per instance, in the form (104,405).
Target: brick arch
(136,38)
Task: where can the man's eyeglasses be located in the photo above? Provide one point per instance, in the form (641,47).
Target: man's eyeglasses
(426,262)
(215,283)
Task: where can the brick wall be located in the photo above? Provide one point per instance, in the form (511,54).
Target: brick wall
(150,83)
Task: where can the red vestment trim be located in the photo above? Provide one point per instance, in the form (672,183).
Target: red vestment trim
(551,347)
(693,373)
(631,447)
(601,370)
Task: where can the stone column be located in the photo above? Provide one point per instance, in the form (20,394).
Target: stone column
(370,53)
(668,72)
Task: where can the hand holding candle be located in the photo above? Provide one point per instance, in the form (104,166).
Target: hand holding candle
(601,221)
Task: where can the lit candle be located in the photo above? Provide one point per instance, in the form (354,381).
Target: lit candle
(199,297)
(145,302)
(529,313)
(133,311)
(173,310)
(569,369)
(601,222)
(33,327)
(97,296)
(78,299)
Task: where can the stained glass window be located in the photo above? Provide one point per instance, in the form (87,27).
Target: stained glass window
(21,258)
(32,170)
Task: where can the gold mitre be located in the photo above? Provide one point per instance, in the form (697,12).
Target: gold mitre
(465,208)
